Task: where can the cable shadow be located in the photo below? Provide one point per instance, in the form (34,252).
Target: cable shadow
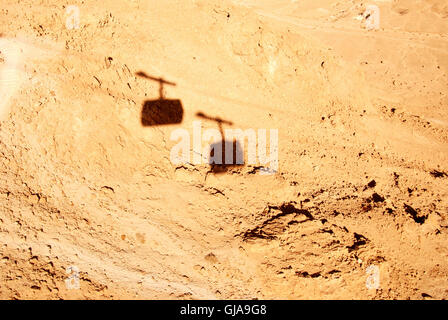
(161,111)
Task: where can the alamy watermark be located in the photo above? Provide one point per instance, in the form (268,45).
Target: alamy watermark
(73,17)
(72,281)
(372,17)
(373,277)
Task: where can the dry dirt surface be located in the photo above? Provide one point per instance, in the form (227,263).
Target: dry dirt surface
(89,193)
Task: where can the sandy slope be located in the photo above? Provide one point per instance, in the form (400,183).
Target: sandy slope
(363,132)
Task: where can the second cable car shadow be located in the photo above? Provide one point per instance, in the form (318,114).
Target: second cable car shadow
(225,154)
(161,111)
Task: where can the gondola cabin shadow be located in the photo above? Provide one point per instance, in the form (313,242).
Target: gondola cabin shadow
(225,154)
(220,162)
(161,111)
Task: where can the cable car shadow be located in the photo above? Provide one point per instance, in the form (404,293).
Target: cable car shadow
(161,111)
(220,162)
(225,155)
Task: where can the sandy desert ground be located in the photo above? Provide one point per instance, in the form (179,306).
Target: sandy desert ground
(89,194)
